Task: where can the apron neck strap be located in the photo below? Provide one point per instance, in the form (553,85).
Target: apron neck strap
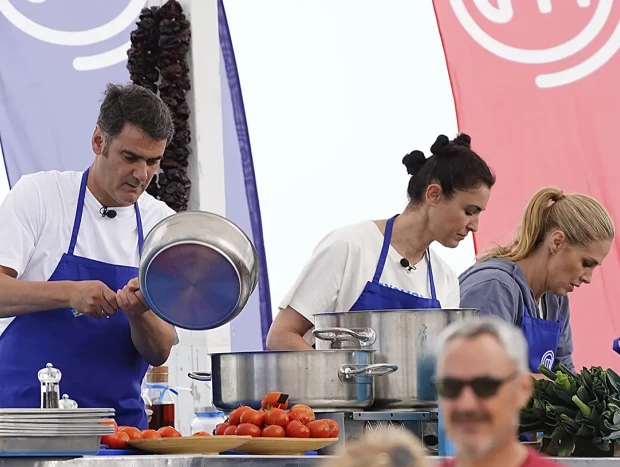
(387,238)
(140,231)
(78,217)
(78,213)
(431,281)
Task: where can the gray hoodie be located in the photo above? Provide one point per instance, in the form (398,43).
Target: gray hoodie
(499,287)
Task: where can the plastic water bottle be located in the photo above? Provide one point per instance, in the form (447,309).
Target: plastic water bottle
(206,419)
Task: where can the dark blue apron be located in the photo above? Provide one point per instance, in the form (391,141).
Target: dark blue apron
(543,337)
(377,296)
(100,366)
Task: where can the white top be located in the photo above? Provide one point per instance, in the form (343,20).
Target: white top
(37,220)
(346,259)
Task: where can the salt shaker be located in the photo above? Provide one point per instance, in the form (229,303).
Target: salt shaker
(50,387)
(66,403)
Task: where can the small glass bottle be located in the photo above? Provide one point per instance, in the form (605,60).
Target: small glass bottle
(160,395)
(50,386)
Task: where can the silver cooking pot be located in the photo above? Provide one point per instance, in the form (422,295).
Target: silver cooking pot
(197,270)
(405,338)
(322,379)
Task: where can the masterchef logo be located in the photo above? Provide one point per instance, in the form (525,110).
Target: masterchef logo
(566,40)
(77,38)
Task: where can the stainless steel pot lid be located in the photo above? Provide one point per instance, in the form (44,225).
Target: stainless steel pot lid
(192,286)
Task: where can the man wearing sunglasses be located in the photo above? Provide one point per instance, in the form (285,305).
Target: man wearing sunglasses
(483,382)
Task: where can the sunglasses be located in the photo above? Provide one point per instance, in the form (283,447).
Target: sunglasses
(483,386)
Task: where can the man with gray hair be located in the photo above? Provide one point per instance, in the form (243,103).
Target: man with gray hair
(69,251)
(483,382)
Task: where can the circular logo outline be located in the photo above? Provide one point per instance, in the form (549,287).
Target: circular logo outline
(548,359)
(80,38)
(503,14)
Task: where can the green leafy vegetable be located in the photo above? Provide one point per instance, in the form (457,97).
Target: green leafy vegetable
(574,409)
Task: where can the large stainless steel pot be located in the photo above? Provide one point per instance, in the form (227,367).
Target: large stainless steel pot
(197,270)
(405,338)
(322,379)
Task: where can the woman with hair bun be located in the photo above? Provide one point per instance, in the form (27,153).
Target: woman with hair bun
(562,239)
(387,264)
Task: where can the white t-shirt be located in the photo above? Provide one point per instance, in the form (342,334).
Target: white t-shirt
(346,259)
(37,220)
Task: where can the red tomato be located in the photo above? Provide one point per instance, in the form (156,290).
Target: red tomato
(276,417)
(201,433)
(303,415)
(109,421)
(230,430)
(274,431)
(133,433)
(254,417)
(150,434)
(118,441)
(320,429)
(335,429)
(271,401)
(235,416)
(295,429)
(221,428)
(301,406)
(247,429)
(168,432)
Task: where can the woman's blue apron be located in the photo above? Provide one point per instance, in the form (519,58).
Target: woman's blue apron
(377,296)
(100,366)
(543,337)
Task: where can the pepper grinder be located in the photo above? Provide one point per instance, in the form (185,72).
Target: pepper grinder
(50,387)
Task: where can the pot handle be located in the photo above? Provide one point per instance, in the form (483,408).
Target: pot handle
(349,373)
(364,336)
(199,376)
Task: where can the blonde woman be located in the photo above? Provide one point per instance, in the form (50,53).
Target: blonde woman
(562,239)
(384,448)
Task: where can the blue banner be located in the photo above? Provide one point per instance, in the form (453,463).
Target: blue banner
(242,205)
(55,60)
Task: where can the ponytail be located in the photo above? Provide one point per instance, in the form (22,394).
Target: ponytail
(581,218)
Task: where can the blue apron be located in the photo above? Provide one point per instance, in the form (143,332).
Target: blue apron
(100,366)
(376,296)
(543,337)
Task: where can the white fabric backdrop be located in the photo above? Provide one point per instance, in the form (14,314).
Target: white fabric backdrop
(336,93)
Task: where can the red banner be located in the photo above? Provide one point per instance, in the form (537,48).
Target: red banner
(536,85)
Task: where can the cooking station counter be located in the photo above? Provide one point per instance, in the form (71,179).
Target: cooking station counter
(226,461)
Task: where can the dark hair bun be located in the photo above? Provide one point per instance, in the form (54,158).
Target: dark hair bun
(414,161)
(440,144)
(462,139)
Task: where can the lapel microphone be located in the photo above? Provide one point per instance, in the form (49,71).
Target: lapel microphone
(111,213)
(404,262)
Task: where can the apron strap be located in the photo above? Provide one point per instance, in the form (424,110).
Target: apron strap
(140,231)
(387,238)
(78,213)
(78,218)
(430,275)
(528,312)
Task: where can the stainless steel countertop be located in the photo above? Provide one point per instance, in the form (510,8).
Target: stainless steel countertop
(225,461)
